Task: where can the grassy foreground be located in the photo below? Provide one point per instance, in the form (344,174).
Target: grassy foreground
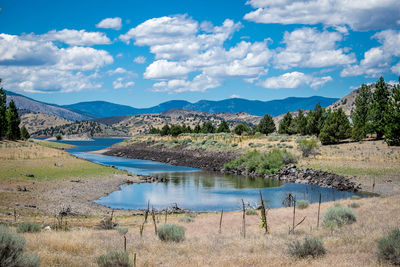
(351,245)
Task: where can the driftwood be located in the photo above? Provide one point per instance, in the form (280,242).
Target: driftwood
(244,220)
(220,221)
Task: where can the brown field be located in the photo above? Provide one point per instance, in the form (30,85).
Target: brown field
(352,245)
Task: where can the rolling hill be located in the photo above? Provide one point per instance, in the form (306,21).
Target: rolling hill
(232,105)
(29,105)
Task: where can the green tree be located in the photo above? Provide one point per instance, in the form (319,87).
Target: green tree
(3,108)
(223,127)
(176,130)
(266,125)
(13,121)
(241,128)
(197,128)
(392,118)
(336,127)
(379,103)
(360,113)
(207,127)
(165,130)
(24,133)
(301,123)
(286,124)
(315,120)
(154,131)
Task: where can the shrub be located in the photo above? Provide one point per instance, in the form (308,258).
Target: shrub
(58,137)
(307,147)
(28,227)
(355,197)
(338,215)
(115,258)
(311,246)
(241,128)
(12,248)
(302,204)
(354,205)
(262,163)
(251,212)
(186,219)
(389,247)
(171,232)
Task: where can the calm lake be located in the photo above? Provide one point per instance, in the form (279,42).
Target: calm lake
(191,188)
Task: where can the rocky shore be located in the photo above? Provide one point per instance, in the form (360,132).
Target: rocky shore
(206,160)
(292,174)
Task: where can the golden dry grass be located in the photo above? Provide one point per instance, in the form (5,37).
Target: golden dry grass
(353,245)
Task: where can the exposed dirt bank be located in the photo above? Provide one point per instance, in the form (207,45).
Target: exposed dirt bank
(210,161)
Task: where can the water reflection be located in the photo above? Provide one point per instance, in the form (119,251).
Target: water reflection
(192,188)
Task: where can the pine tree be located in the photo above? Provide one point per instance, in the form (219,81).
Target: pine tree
(284,125)
(197,128)
(223,127)
(379,103)
(3,108)
(336,127)
(315,120)
(13,121)
(360,113)
(165,130)
(241,128)
(301,123)
(266,125)
(207,127)
(392,118)
(24,133)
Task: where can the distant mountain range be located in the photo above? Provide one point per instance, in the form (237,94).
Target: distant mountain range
(232,105)
(100,109)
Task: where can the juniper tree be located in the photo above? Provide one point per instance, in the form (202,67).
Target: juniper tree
(379,103)
(3,108)
(360,113)
(13,121)
(266,125)
(223,127)
(336,127)
(24,133)
(392,119)
(301,123)
(207,127)
(315,120)
(285,124)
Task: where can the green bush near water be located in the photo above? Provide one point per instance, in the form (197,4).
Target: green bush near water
(251,212)
(171,232)
(262,163)
(302,204)
(338,215)
(12,250)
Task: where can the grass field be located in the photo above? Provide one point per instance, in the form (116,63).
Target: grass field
(352,245)
(45,160)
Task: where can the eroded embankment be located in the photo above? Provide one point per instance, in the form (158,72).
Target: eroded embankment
(214,161)
(198,158)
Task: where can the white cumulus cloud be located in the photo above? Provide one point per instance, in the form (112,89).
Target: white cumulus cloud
(294,80)
(120,83)
(75,37)
(140,60)
(163,69)
(359,15)
(110,23)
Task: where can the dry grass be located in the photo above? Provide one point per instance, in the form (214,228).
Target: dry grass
(353,245)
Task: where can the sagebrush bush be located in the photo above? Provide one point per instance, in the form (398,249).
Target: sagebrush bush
(355,197)
(354,205)
(302,204)
(28,227)
(251,212)
(311,246)
(115,258)
(171,232)
(187,218)
(307,146)
(338,215)
(12,248)
(262,163)
(389,247)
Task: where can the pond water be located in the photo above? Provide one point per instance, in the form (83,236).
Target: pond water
(191,188)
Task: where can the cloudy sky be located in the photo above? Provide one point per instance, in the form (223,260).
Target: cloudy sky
(142,53)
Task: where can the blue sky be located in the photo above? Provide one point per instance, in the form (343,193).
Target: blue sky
(142,53)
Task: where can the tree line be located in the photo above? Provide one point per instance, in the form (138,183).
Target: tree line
(9,120)
(376,113)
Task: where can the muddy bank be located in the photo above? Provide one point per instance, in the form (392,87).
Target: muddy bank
(199,158)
